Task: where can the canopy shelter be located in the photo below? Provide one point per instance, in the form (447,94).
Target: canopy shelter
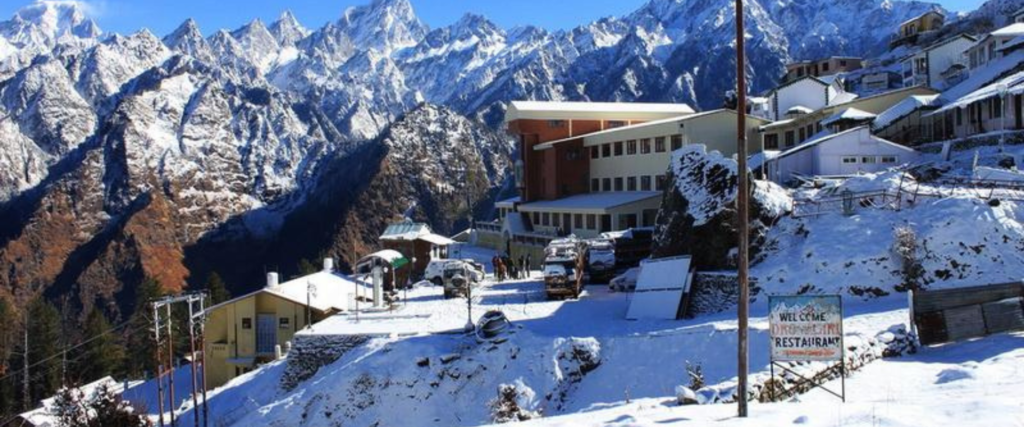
(394,266)
(417,242)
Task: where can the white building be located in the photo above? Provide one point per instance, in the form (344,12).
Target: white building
(989,48)
(928,66)
(806,94)
(845,153)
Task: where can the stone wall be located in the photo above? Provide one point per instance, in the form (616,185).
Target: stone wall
(715,291)
(311,352)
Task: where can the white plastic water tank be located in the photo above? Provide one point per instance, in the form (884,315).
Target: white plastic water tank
(272,279)
(328,264)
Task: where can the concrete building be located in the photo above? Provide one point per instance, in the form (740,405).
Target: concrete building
(905,122)
(880,81)
(806,94)
(788,133)
(822,67)
(995,107)
(934,64)
(845,153)
(990,47)
(909,31)
(246,331)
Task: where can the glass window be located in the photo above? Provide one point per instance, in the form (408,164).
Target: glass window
(545,219)
(645,183)
(591,222)
(771,141)
(659,144)
(659,182)
(536,218)
(595,152)
(606,184)
(631,147)
(849,159)
(627,221)
(677,142)
(606,150)
(790,138)
(645,146)
(618,184)
(618,148)
(595,185)
(616,123)
(631,183)
(889,159)
(578,219)
(867,159)
(803,134)
(246,323)
(606,223)
(284,323)
(555,220)
(556,123)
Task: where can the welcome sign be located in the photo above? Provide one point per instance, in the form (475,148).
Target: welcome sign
(804,328)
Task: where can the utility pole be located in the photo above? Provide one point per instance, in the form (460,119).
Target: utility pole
(25,390)
(170,363)
(159,361)
(192,349)
(741,207)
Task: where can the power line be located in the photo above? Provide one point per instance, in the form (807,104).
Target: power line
(63,352)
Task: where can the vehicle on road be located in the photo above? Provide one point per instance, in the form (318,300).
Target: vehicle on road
(564,267)
(458,278)
(601,260)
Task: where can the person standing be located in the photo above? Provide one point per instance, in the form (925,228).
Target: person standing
(529,265)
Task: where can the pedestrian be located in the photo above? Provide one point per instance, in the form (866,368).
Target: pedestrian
(529,265)
(494,266)
(522,266)
(500,270)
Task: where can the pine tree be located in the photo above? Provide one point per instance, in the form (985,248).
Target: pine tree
(306,267)
(102,354)
(8,333)
(216,288)
(44,349)
(141,348)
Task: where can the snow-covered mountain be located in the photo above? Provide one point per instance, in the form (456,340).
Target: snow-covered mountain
(226,134)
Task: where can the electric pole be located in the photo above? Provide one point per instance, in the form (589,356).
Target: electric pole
(742,211)
(25,396)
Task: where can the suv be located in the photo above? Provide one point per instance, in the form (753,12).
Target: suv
(601,260)
(434,273)
(457,278)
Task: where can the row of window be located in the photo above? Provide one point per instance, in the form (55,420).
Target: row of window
(771,140)
(608,125)
(633,146)
(629,183)
(870,159)
(282,323)
(601,223)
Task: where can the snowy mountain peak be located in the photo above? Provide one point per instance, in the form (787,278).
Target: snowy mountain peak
(385,25)
(44,22)
(188,39)
(287,29)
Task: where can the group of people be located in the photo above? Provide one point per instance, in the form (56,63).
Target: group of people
(508,268)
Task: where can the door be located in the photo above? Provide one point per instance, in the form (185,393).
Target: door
(1018,121)
(266,333)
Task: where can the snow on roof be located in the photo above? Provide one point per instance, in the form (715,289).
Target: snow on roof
(775,124)
(602,106)
(920,16)
(388,255)
(332,290)
(1012,85)
(799,109)
(436,239)
(843,97)
(848,114)
(831,78)
(507,203)
(902,109)
(757,159)
(817,141)
(405,230)
(682,118)
(591,201)
(1011,44)
(983,76)
(1012,30)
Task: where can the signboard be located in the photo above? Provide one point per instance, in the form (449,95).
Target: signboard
(806,328)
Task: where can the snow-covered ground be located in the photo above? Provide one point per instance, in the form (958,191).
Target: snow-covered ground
(975,383)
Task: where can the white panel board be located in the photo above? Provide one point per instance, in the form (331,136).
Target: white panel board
(660,288)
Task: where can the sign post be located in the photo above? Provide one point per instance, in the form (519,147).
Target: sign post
(806,328)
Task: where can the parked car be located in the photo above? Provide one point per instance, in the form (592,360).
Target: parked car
(601,260)
(458,278)
(565,267)
(479,273)
(625,282)
(434,273)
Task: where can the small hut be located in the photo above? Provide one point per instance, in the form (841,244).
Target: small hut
(416,241)
(394,266)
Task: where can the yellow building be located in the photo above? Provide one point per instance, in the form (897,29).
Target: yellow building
(246,331)
(909,30)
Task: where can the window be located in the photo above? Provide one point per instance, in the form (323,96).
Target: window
(578,219)
(618,184)
(545,219)
(997,107)
(824,66)
(849,159)
(567,221)
(573,154)
(631,147)
(591,221)
(659,144)
(803,134)
(606,184)
(536,218)
(606,150)
(555,221)
(677,142)
(842,62)
(246,323)
(631,183)
(659,182)
(790,141)
(595,185)
(606,223)
(556,123)
(645,146)
(595,152)
(959,117)
(867,159)
(810,130)
(618,148)
(645,183)
(888,159)
(616,124)
(771,141)
(284,323)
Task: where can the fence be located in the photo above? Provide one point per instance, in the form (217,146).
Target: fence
(901,197)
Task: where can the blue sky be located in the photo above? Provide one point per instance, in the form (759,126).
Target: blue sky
(162,16)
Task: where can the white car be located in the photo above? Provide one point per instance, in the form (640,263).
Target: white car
(625,282)
(434,273)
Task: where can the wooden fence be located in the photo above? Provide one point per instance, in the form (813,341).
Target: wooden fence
(954,314)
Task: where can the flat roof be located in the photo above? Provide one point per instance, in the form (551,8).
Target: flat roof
(591,201)
(556,110)
(683,118)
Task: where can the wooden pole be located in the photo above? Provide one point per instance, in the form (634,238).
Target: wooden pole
(741,207)
(192,345)
(159,362)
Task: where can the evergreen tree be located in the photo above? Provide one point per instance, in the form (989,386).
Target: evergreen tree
(8,333)
(44,349)
(216,288)
(141,348)
(102,353)
(306,267)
